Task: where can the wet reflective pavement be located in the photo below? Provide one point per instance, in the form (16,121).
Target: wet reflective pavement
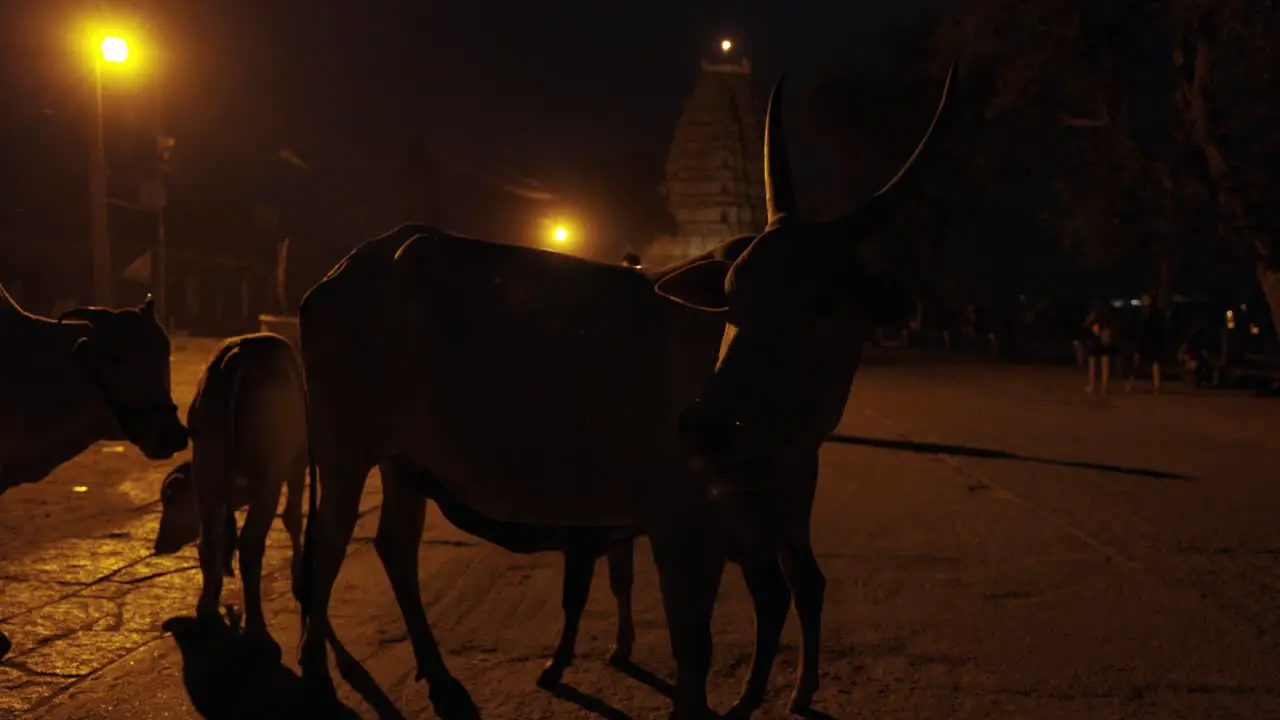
(80,588)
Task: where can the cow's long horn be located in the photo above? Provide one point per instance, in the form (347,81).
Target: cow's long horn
(937,114)
(779,194)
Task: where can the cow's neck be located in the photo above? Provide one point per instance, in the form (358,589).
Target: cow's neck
(63,409)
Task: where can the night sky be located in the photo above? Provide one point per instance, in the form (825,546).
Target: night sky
(580,97)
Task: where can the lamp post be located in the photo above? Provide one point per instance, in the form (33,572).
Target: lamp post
(164,146)
(115,50)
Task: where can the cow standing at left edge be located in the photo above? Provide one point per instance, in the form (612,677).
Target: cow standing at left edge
(93,374)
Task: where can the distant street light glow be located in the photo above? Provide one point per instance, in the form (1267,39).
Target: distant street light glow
(561,234)
(115,49)
(726,45)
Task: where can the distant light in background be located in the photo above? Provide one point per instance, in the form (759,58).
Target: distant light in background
(114,49)
(560,234)
(726,45)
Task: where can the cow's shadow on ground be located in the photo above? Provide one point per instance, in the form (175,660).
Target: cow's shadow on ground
(929,448)
(593,704)
(228,678)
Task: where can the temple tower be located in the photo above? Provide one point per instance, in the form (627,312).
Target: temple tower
(714,184)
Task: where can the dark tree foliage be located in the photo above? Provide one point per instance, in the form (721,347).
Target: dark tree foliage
(1140,136)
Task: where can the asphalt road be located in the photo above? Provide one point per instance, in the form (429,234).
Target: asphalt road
(997,544)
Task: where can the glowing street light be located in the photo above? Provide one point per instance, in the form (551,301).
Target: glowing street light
(114,49)
(559,232)
(726,45)
(109,47)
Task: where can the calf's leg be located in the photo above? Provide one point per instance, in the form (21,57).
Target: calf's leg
(264,498)
(579,567)
(621,574)
(211,479)
(400,526)
(294,482)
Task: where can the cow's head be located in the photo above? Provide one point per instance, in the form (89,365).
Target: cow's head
(179,511)
(126,355)
(795,303)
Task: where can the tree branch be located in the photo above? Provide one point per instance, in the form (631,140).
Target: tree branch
(1196,112)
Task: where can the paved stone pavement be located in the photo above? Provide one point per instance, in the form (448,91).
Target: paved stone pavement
(997,544)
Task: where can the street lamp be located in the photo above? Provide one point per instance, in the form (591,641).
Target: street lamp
(559,232)
(726,45)
(112,49)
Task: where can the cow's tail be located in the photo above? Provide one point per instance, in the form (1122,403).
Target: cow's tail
(304,587)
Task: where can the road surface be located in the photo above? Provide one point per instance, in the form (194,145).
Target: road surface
(996,543)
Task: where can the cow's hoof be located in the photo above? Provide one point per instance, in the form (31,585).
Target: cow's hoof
(318,690)
(801,703)
(746,706)
(452,701)
(621,656)
(263,647)
(551,675)
(209,620)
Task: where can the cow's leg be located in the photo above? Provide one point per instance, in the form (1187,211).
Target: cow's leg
(403,514)
(5,645)
(211,478)
(253,545)
(295,481)
(342,481)
(809,587)
(229,541)
(772,599)
(621,574)
(808,584)
(579,567)
(689,571)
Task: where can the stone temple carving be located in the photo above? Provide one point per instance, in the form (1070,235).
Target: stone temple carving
(715,170)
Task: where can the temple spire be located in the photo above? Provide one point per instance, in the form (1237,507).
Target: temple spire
(715,168)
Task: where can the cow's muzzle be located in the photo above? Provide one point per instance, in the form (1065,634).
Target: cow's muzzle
(157,432)
(712,437)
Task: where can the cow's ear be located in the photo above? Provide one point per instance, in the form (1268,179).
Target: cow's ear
(700,285)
